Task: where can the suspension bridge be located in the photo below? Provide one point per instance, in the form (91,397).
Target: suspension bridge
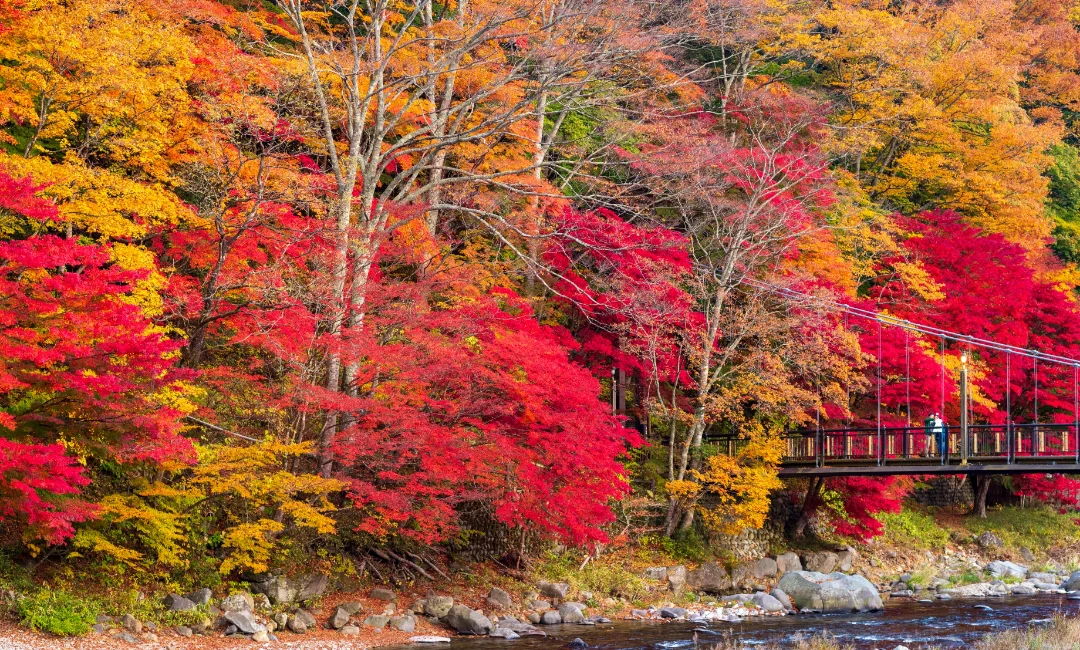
(962,447)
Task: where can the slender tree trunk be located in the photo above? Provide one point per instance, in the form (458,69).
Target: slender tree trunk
(982,487)
(812,494)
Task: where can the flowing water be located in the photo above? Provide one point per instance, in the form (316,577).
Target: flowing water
(947,624)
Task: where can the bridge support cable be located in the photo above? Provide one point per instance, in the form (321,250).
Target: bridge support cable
(880,432)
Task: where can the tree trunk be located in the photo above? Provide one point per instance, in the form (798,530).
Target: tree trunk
(982,487)
(812,494)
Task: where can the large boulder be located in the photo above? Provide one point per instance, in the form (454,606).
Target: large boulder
(822,562)
(782,598)
(244,621)
(1073,583)
(282,590)
(787,562)
(676,578)
(468,621)
(767,603)
(571,613)
(831,592)
(177,603)
(1005,569)
(499,598)
(709,578)
(846,559)
(655,573)
(989,540)
(554,589)
(766,567)
(438,606)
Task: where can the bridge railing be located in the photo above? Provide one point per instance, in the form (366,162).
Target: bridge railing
(995,443)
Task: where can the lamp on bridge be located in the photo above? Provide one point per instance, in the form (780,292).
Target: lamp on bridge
(964,450)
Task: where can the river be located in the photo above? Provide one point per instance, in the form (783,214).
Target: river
(942,623)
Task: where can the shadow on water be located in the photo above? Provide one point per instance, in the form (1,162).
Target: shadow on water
(947,624)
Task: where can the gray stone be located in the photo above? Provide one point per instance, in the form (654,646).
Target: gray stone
(403,623)
(260,636)
(244,621)
(98,628)
(1005,569)
(131,624)
(822,562)
(710,577)
(262,602)
(1024,589)
(499,598)
(382,593)
(766,567)
(989,540)
(534,617)
(1073,583)
(428,638)
(672,612)
(340,618)
(201,596)
(184,631)
(639,613)
(523,629)
(676,578)
(1042,576)
(302,617)
(284,589)
(768,603)
(468,621)
(281,619)
(438,606)
(350,630)
(104,619)
(656,573)
(846,558)
(377,621)
(571,613)
(834,592)
(782,598)
(787,562)
(554,589)
(353,607)
(237,603)
(550,618)
(539,605)
(1027,555)
(504,633)
(126,636)
(296,626)
(150,626)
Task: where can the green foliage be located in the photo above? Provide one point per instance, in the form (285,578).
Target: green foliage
(1037,528)
(57,612)
(968,577)
(1063,203)
(913,528)
(604,576)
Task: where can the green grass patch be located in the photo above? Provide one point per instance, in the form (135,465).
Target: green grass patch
(1037,528)
(913,528)
(57,612)
(602,577)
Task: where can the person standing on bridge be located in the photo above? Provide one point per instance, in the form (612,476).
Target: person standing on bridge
(941,431)
(928,429)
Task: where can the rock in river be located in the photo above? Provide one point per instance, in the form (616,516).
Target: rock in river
(832,592)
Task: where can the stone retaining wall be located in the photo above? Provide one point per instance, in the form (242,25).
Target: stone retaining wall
(944,492)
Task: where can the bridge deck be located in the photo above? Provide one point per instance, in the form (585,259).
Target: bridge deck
(989,449)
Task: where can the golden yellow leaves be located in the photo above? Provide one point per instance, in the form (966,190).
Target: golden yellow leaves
(101,77)
(245,493)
